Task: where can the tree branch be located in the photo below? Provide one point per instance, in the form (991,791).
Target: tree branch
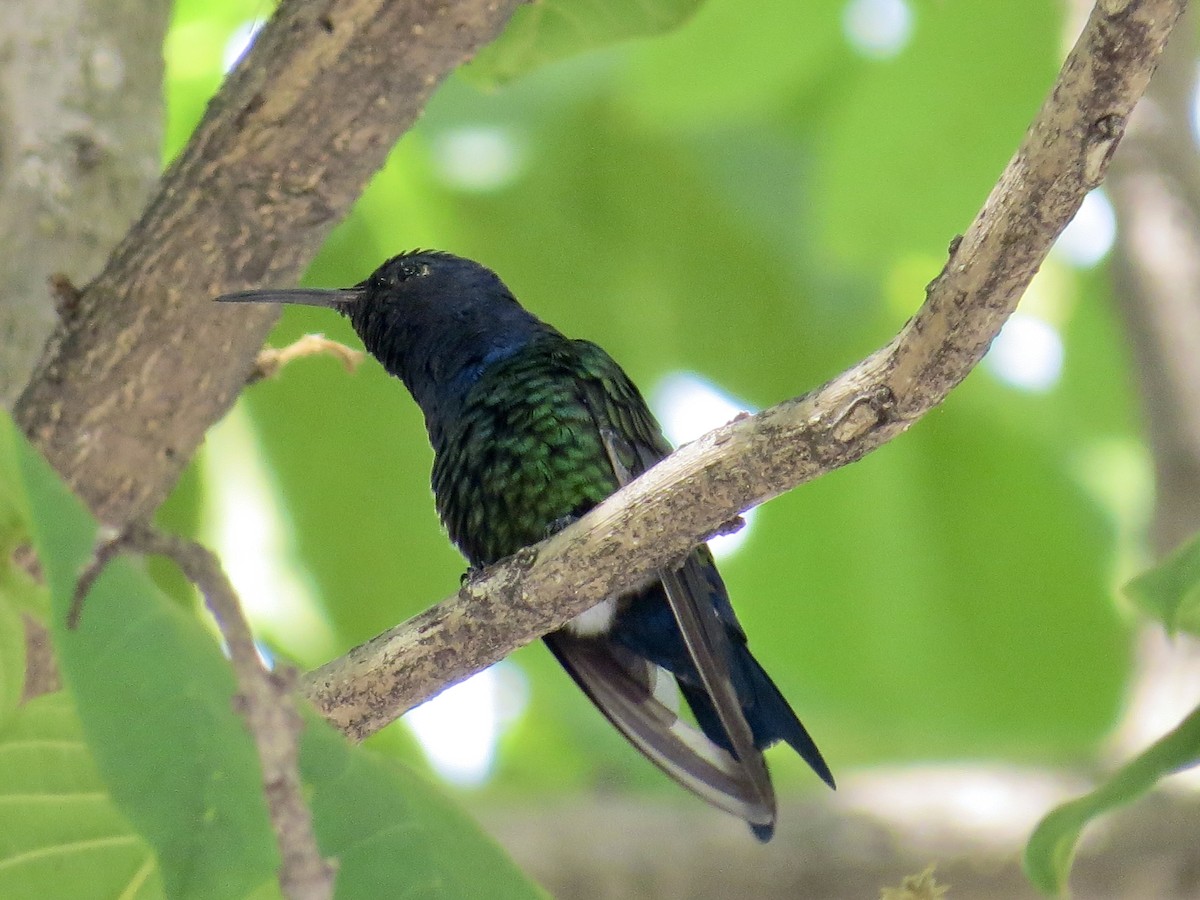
(654,521)
(265,700)
(80,143)
(132,379)
(1155,188)
(271,360)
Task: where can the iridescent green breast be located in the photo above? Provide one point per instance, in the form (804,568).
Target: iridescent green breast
(527,450)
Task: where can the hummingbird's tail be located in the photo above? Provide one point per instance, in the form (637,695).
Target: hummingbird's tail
(684,627)
(621,685)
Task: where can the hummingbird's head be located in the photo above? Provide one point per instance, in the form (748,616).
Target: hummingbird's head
(433,319)
(420,297)
(423,284)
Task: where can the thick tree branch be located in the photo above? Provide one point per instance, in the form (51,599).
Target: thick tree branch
(134,376)
(656,520)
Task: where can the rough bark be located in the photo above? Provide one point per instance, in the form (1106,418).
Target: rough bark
(657,519)
(145,363)
(80,149)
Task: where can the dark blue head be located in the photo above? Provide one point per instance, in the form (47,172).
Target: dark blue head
(432,319)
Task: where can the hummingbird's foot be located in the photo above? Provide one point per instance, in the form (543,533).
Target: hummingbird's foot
(560,523)
(473,573)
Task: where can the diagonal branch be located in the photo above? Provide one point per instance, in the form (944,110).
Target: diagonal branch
(657,519)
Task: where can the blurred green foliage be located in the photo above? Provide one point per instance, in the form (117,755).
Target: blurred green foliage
(753,199)
(144,749)
(1171,591)
(60,832)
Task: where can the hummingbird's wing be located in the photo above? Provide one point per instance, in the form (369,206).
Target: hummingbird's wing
(619,682)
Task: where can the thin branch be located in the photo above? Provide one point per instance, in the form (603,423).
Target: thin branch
(271,360)
(109,546)
(266,701)
(655,520)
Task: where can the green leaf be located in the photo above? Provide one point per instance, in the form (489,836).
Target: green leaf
(542,32)
(1051,849)
(388,828)
(60,833)
(155,700)
(1170,592)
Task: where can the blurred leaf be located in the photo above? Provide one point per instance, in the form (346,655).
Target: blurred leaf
(548,30)
(1170,592)
(387,828)
(916,887)
(21,591)
(1051,848)
(155,699)
(60,833)
(156,703)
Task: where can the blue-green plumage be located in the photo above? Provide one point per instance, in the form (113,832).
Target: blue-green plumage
(526,450)
(530,430)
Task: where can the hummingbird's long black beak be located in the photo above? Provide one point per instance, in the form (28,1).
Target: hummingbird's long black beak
(340,299)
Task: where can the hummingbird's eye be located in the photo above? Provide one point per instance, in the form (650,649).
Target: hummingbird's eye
(407,270)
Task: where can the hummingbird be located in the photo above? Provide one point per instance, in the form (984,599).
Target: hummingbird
(531,429)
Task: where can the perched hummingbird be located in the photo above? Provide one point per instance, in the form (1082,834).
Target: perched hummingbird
(530,430)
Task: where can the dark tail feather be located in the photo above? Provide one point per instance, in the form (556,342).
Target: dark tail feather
(764,833)
(769,715)
(772,719)
(619,683)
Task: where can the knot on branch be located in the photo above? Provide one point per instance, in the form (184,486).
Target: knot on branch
(1102,140)
(1113,8)
(866,412)
(67,297)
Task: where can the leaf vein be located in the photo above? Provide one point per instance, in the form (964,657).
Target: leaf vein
(63,849)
